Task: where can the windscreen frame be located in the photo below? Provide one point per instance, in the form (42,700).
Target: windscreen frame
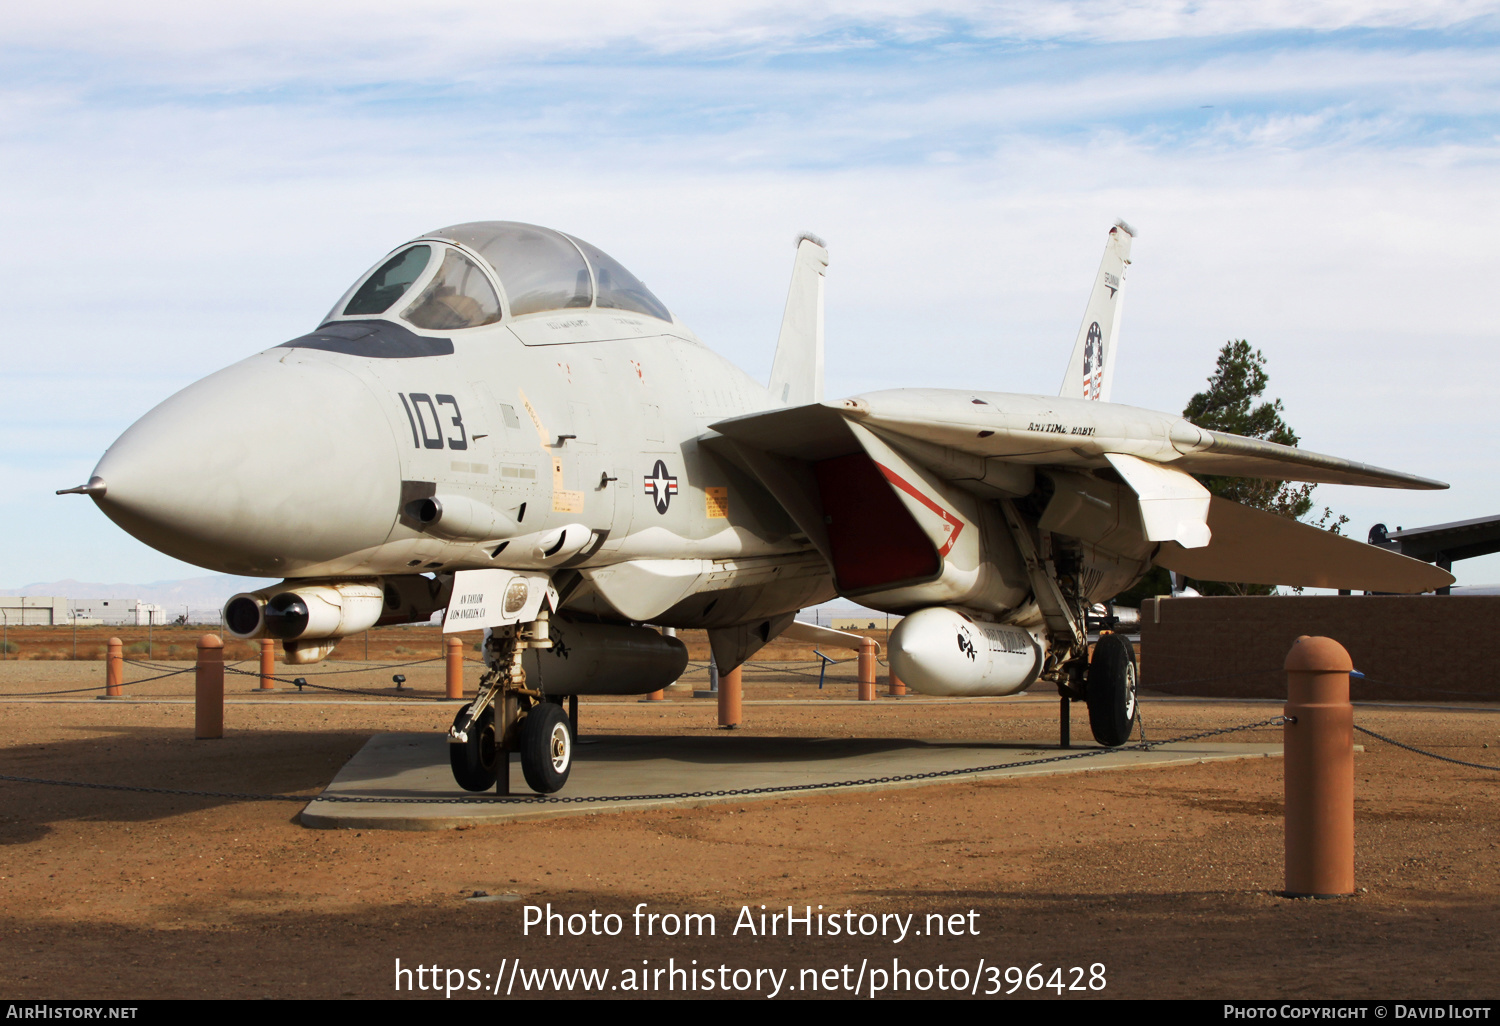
(439,246)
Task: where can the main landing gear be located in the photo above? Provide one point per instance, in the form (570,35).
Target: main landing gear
(1107,686)
(507,716)
(1110,690)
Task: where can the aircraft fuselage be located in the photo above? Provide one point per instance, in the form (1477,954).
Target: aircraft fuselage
(580,428)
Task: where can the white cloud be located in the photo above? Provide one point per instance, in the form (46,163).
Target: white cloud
(253,45)
(1335,207)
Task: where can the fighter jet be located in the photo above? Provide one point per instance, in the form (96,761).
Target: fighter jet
(500,421)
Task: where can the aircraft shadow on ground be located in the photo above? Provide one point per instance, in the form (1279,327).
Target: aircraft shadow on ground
(256,762)
(835,757)
(730,750)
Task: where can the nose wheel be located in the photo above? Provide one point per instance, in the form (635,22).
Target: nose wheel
(476,759)
(507,716)
(546,748)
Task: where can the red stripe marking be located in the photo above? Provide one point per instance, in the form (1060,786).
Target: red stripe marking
(956,524)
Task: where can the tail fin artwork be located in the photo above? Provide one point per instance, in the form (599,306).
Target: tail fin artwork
(1092,368)
(797,374)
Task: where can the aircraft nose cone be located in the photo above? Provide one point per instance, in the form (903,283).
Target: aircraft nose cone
(279,463)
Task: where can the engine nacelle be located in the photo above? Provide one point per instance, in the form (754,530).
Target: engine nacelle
(940,651)
(292,612)
(333,608)
(317,611)
(604,659)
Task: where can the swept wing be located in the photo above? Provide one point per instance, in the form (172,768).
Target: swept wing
(993,445)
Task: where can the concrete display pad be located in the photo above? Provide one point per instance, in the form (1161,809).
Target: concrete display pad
(415,767)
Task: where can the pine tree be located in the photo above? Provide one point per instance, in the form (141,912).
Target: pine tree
(1229,404)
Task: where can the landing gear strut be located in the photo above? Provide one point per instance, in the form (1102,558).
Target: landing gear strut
(1055,586)
(506,716)
(1068,692)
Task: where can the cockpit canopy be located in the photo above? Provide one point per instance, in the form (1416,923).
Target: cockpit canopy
(431,284)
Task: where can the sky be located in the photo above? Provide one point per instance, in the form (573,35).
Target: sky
(183,184)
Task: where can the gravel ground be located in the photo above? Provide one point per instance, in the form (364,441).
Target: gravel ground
(1167,877)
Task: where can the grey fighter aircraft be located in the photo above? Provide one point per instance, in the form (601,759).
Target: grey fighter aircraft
(500,421)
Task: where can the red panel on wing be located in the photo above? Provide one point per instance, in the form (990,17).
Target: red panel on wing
(875,541)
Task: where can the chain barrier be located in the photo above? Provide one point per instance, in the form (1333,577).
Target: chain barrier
(594,799)
(778,667)
(146,664)
(693,667)
(382,666)
(312,673)
(798,662)
(816,676)
(1430,755)
(1142,744)
(161,666)
(299,683)
(101,687)
(294,681)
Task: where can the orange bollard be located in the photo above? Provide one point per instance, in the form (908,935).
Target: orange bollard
(114,669)
(267,664)
(208,712)
(729,698)
(455,668)
(657,696)
(867,650)
(896,687)
(1318,742)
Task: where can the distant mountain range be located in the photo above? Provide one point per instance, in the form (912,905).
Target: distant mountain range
(209,592)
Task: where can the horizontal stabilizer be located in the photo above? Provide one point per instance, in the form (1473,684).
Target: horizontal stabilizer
(827,637)
(1251,546)
(1236,456)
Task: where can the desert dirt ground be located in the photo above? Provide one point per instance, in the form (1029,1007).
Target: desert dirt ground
(1168,877)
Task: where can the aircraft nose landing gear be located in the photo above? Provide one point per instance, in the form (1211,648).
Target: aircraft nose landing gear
(506,716)
(476,758)
(546,748)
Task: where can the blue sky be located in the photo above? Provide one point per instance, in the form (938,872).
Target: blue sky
(181,186)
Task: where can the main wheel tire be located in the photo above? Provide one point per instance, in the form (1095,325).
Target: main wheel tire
(476,762)
(546,748)
(1110,690)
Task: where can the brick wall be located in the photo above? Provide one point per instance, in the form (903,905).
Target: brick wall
(1446,643)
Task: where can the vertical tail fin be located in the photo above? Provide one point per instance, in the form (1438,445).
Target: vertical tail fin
(797,373)
(1092,368)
